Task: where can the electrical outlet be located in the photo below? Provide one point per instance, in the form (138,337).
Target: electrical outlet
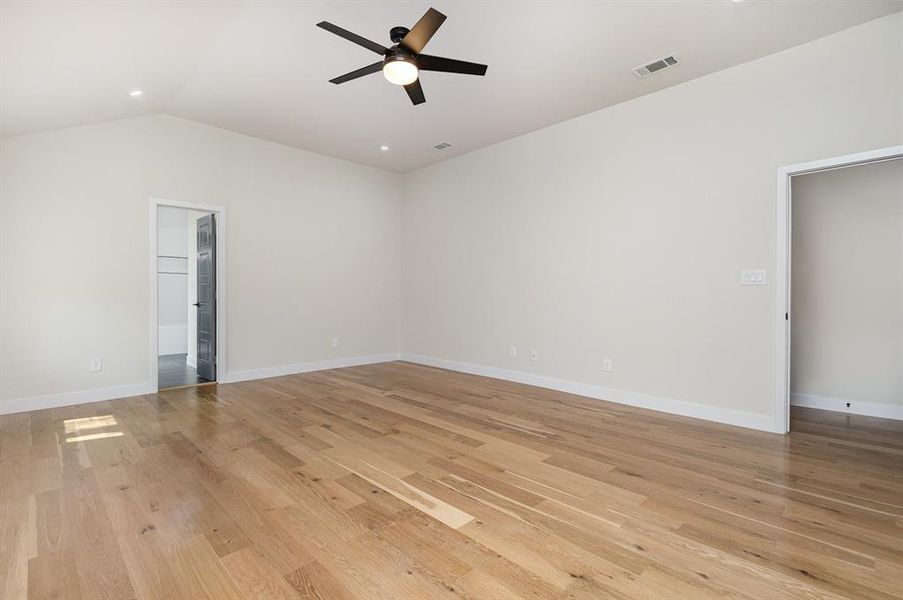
(95,364)
(335,342)
(534,355)
(512,351)
(606,365)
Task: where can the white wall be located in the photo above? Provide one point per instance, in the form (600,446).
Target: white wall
(172,281)
(313,248)
(623,233)
(847,338)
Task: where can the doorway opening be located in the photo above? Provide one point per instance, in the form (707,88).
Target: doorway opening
(187,329)
(816,299)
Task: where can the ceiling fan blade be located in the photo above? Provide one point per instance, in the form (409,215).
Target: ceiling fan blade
(421,33)
(425,62)
(353,37)
(374,68)
(415,93)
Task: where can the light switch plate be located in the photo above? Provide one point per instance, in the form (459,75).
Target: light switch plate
(753,277)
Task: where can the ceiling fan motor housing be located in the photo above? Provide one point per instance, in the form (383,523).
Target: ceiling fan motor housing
(396,34)
(399,53)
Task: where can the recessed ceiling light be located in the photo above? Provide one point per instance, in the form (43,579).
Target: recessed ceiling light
(384,148)
(136,93)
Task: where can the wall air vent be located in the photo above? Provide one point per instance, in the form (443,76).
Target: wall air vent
(654,67)
(442,146)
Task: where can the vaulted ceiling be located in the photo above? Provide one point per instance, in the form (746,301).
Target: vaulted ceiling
(261,68)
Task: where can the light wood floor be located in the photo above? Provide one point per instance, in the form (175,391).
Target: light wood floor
(398,481)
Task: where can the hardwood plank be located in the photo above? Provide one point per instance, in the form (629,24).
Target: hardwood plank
(255,576)
(313,582)
(201,573)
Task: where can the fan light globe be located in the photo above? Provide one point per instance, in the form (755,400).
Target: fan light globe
(400,72)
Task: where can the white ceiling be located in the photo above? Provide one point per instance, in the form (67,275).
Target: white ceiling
(261,68)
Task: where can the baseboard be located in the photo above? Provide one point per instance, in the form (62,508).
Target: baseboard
(667,405)
(868,409)
(319,365)
(191,362)
(19,405)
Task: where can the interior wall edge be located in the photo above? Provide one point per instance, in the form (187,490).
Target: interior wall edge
(724,416)
(857,407)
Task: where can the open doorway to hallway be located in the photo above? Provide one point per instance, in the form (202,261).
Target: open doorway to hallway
(186,297)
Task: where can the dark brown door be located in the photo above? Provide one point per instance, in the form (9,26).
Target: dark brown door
(206,304)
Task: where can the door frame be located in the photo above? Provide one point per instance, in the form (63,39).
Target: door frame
(220,212)
(782,267)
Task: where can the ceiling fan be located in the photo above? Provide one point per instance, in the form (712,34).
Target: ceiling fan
(402,62)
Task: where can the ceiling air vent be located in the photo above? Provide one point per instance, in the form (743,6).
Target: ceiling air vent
(442,146)
(654,67)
